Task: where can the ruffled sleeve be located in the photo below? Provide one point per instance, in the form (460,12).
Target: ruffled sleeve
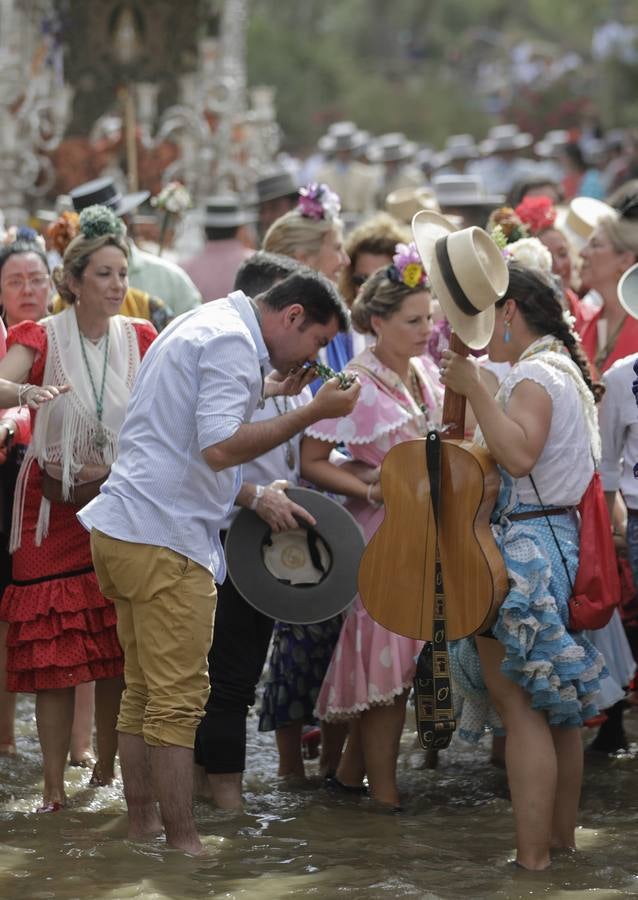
(374,415)
(549,378)
(34,336)
(146,334)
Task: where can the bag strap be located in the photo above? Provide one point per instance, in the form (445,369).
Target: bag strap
(551,528)
(434,708)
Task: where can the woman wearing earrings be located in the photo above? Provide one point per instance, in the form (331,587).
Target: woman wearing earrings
(61,629)
(371,671)
(543,680)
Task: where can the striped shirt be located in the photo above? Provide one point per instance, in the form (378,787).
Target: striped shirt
(201,379)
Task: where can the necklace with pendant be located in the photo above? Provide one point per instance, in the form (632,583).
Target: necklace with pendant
(290,450)
(100,439)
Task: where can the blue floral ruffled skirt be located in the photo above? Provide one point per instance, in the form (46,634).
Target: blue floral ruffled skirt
(560,669)
(298,662)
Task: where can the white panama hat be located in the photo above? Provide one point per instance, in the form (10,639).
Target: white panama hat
(628,291)
(467,272)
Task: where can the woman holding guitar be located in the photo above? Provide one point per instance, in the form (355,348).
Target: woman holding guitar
(542,426)
(371,670)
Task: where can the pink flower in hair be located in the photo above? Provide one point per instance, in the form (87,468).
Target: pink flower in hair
(317,201)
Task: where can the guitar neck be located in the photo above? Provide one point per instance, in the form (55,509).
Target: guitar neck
(453,403)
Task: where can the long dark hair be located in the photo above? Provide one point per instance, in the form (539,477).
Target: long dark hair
(537,299)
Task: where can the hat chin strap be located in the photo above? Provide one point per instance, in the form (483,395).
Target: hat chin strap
(456,291)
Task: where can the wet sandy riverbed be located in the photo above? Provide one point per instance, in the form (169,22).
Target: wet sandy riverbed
(454,839)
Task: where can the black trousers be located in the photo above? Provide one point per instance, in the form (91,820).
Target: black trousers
(235,663)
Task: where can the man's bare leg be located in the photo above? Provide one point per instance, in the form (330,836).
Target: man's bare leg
(143,817)
(172,769)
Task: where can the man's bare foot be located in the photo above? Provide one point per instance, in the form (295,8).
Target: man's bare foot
(145,823)
(8,748)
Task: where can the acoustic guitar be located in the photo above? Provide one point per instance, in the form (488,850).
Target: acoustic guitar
(397,570)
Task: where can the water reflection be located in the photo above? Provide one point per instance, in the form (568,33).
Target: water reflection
(453,840)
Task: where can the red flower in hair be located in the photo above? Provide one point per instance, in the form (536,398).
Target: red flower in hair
(538,213)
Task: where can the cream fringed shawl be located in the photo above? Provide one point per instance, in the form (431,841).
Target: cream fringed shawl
(66,430)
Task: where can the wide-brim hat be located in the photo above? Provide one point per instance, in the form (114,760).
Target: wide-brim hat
(459,147)
(266,568)
(392,147)
(467,272)
(104,192)
(346,140)
(501,138)
(276,183)
(227,211)
(628,291)
(578,220)
(463,190)
(552,143)
(406,202)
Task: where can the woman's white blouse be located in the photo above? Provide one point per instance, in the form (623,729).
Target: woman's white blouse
(565,466)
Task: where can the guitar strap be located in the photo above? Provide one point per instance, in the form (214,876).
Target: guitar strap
(432,685)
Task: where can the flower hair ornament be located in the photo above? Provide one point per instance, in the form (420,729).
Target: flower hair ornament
(407,268)
(96,221)
(63,230)
(317,201)
(23,234)
(505,227)
(529,252)
(537,213)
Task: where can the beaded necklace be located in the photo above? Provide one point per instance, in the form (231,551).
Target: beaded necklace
(100,436)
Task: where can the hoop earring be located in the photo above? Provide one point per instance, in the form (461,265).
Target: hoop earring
(507,334)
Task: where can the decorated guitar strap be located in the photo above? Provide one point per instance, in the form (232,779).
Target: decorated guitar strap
(432,686)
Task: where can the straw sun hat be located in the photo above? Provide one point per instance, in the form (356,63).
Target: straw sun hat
(467,272)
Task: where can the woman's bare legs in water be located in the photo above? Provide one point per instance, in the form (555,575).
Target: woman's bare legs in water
(108,693)
(82,753)
(54,719)
(536,757)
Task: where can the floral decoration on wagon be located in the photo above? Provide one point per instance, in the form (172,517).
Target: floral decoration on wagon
(174,200)
(318,201)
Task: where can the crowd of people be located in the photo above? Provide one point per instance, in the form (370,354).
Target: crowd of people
(146,402)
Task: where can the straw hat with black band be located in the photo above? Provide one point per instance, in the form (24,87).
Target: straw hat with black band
(467,272)
(302,576)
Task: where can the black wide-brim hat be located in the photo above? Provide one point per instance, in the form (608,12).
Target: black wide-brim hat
(104,192)
(336,532)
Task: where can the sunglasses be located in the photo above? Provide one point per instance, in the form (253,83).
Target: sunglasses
(359,280)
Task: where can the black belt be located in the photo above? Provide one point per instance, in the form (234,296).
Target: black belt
(540,513)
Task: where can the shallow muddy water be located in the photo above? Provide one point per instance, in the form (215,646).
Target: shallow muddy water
(454,839)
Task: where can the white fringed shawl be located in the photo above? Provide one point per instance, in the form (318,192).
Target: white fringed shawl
(66,429)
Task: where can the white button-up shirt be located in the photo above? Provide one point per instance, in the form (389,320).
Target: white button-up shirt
(200,380)
(618,418)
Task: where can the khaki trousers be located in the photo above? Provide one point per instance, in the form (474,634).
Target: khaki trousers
(165,607)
